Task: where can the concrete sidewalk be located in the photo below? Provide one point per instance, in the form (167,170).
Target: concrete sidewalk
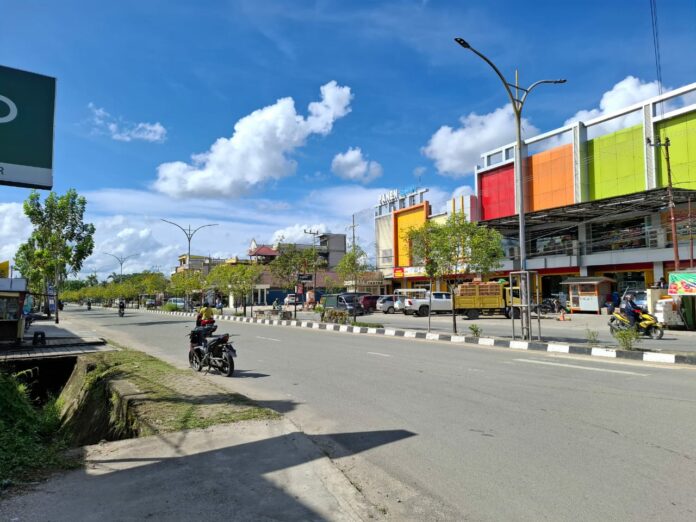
(250,470)
(263,470)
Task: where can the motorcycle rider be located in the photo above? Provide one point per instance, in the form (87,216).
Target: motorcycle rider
(630,309)
(206,312)
(121,307)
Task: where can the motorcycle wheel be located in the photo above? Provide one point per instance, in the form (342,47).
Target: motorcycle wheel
(195,361)
(656,333)
(227,365)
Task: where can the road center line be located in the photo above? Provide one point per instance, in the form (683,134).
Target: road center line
(380,354)
(588,368)
(268,339)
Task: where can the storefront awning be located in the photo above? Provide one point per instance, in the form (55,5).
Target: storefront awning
(649,201)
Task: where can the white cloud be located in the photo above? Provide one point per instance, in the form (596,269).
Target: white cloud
(119,130)
(296,234)
(15,228)
(464,190)
(419,171)
(457,151)
(258,150)
(351,165)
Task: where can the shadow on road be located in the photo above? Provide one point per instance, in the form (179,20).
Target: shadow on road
(216,474)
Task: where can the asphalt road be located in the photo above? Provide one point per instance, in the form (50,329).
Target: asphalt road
(483,433)
(575,330)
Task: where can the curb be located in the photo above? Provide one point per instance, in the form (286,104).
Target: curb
(652,357)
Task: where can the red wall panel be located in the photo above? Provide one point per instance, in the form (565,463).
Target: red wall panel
(497,192)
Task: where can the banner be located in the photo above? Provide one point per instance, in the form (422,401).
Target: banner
(4,269)
(26,128)
(682,283)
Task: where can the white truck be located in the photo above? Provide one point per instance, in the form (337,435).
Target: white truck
(421,304)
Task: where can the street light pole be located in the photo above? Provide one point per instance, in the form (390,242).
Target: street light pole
(189,235)
(314,234)
(517,103)
(121,260)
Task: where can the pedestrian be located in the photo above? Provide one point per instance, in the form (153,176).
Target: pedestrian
(218,305)
(662,283)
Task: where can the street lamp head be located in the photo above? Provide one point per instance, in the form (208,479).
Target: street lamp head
(463,43)
(562,80)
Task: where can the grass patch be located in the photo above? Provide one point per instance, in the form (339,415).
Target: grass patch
(30,443)
(171,399)
(369,325)
(475,330)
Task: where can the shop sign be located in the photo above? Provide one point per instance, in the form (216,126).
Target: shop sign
(413,271)
(388,197)
(682,283)
(398,272)
(27,103)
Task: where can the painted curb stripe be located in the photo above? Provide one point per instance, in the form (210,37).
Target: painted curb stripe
(481,341)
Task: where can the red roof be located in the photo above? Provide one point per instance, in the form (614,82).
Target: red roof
(263,250)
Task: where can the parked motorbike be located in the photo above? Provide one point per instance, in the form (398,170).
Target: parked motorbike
(216,352)
(646,324)
(208,325)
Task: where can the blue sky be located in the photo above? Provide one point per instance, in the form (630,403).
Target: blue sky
(143,86)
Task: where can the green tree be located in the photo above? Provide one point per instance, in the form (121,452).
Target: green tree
(353,266)
(187,282)
(287,267)
(457,247)
(60,240)
(422,241)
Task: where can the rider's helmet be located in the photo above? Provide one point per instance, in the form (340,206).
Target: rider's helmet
(629,296)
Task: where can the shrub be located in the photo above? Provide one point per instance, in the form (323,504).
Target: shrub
(335,316)
(319,308)
(475,330)
(368,325)
(170,307)
(628,338)
(592,337)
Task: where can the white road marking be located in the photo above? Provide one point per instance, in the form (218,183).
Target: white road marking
(380,354)
(269,339)
(588,368)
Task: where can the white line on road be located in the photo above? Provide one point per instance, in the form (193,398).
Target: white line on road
(588,368)
(380,354)
(268,339)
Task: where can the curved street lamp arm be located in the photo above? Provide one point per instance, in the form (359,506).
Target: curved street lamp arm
(203,226)
(182,229)
(531,87)
(513,100)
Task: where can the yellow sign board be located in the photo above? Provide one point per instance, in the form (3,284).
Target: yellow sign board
(4,269)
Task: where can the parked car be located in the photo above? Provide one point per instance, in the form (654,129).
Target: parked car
(150,303)
(368,302)
(291,299)
(179,302)
(385,304)
(441,302)
(640,296)
(345,302)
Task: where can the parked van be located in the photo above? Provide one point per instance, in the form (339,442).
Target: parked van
(344,302)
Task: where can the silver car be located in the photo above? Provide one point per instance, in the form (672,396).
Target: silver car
(385,304)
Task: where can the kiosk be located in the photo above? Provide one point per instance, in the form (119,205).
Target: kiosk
(587,294)
(12,294)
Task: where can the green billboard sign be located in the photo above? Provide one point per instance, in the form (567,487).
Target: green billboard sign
(27,103)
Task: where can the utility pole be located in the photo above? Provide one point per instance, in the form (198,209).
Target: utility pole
(315,235)
(355,269)
(670,197)
(691,238)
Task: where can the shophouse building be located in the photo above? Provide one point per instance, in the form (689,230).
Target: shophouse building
(596,200)
(597,194)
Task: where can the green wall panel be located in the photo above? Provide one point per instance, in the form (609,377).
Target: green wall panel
(682,151)
(615,163)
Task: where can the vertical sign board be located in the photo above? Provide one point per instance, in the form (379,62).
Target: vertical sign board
(27,103)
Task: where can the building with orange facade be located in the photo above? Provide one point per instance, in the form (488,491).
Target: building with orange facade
(596,200)
(596,194)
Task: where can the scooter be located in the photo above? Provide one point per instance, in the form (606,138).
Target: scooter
(89,305)
(217,352)
(121,310)
(646,324)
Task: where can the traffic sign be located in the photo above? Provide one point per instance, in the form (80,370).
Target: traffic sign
(27,105)
(304,278)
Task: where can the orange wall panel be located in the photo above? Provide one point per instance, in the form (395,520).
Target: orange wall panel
(550,179)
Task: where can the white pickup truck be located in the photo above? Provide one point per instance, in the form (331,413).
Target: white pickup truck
(421,305)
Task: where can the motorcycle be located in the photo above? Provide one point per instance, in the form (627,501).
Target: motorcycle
(217,352)
(89,305)
(208,325)
(646,324)
(121,311)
